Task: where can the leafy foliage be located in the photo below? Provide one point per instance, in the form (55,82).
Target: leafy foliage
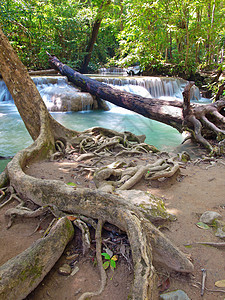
(187,33)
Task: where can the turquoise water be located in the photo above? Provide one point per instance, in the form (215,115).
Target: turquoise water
(14,136)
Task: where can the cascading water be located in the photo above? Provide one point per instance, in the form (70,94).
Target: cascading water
(57,94)
(158,87)
(14,136)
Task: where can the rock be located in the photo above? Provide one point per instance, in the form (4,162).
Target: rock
(185,156)
(150,205)
(65,270)
(208,217)
(220,229)
(175,295)
(70,101)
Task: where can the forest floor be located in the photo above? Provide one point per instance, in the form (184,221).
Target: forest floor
(196,188)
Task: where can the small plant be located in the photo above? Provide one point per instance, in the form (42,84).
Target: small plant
(110,261)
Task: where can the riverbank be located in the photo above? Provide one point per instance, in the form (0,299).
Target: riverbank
(198,187)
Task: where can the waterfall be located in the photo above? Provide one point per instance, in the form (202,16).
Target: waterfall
(59,95)
(4,92)
(158,87)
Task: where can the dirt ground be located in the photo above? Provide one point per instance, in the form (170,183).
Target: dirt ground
(196,188)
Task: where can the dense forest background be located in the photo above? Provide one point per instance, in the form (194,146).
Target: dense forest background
(187,35)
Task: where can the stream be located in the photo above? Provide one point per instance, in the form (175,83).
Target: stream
(14,136)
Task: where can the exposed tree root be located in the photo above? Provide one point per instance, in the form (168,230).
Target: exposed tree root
(23,212)
(99,261)
(4,179)
(85,234)
(9,191)
(206,121)
(102,206)
(97,140)
(21,274)
(213,244)
(126,178)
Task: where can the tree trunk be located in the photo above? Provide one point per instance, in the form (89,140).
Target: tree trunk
(90,46)
(94,35)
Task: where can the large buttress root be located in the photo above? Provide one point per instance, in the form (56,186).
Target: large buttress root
(21,274)
(102,206)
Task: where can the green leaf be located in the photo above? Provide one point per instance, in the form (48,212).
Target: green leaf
(106,255)
(113,264)
(202,225)
(71,184)
(106,264)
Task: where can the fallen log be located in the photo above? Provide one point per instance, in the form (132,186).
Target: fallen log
(168,112)
(22,274)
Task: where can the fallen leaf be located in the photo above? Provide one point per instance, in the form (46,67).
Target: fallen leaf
(71,218)
(220,283)
(165,285)
(202,225)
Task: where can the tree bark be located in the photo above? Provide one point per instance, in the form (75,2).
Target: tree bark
(90,46)
(22,274)
(94,35)
(220,91)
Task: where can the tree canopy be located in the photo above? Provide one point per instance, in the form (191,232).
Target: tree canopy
(189,33)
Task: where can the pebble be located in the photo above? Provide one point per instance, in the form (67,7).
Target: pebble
(175,295)
(220,229)
(209,216)
(65,270)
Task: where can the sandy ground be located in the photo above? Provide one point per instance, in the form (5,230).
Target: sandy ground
(195,189)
